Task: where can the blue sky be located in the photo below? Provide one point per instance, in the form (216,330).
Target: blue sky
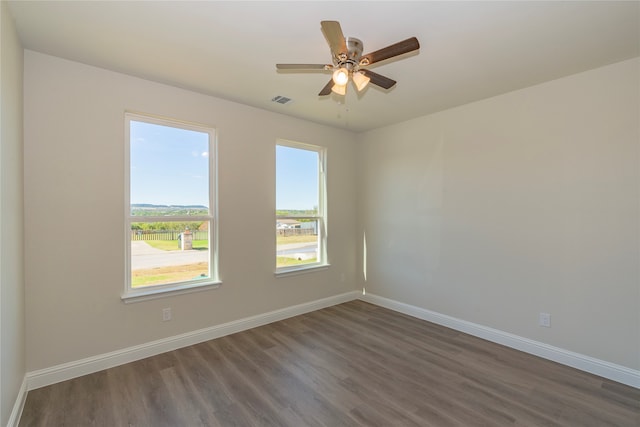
(169,166)
(296,178)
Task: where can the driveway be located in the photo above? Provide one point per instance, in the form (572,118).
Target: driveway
(144,256)
(140,247)
(298,250)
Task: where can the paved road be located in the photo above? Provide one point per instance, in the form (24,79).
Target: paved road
(301,251)
(145,256)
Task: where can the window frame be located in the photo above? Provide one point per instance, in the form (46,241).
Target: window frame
(132,294)
(321,216)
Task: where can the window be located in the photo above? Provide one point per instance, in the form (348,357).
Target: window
(301,222)
(170,226)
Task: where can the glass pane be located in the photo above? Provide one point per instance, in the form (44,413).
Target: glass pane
(296,242)
(296,181)
(169,170)
(169,252)
(297,195)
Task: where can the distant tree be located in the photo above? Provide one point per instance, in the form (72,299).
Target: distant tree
(166,226)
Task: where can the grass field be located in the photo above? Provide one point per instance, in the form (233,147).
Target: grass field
(172,245)
(171,274)
(282,261)
(182,273)
(174,273)
(284,240)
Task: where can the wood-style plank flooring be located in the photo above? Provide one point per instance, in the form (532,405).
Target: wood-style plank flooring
(354,364)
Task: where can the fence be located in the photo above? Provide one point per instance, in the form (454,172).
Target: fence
(166,235)
(296,232)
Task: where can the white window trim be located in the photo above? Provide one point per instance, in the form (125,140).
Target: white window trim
(159,291)
(321,217)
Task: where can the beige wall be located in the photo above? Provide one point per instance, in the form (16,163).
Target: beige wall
(491,212)
(12,315)
(74,181)
(523,203)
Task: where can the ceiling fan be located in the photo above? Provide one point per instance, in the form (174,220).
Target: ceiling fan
(349,62)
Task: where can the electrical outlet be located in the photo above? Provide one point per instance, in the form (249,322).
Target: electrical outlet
(544,320)
(166,314)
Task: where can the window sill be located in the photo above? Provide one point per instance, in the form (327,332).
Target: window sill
(139,295)
(294,271)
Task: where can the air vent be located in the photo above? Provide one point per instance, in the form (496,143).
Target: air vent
(282,100)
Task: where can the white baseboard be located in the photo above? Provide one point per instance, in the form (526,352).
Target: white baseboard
(66,371)
(592,365)
(18,406)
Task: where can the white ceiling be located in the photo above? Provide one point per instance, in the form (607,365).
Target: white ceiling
(469,50)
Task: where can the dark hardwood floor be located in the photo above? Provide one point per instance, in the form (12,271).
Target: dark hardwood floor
(354,364)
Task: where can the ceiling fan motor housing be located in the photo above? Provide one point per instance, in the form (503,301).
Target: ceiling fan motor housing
(351,58)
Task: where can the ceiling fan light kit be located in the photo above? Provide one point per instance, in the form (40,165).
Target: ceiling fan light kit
(360,80)
(339,89)
(348,61)
(341,76)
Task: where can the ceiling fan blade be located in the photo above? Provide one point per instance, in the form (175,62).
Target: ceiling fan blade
(379,80)
(396,49)
(327,89)
(303,67)
(333,33)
